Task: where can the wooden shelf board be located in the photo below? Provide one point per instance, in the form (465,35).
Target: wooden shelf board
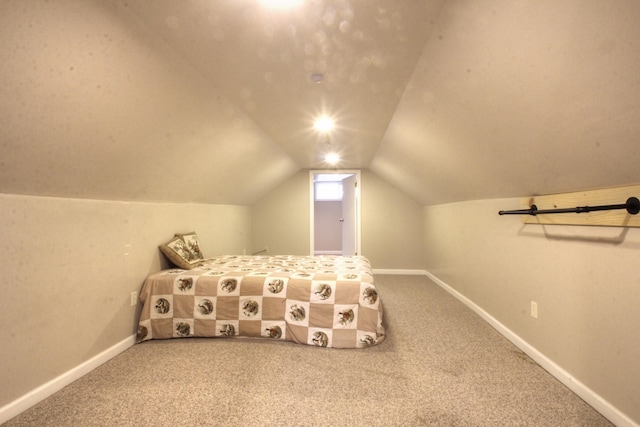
(608,196)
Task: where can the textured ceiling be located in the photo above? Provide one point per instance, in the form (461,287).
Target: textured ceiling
(518,98)
(213,101)
(263,59)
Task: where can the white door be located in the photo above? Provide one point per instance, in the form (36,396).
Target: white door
(350,205)
(349,215)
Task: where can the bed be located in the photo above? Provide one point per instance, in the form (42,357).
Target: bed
(325,301)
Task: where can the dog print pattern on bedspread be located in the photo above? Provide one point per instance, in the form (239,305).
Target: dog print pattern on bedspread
(326,301)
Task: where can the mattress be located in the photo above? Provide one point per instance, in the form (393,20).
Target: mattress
(325,301)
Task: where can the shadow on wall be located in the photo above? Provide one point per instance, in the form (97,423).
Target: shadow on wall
(604,235)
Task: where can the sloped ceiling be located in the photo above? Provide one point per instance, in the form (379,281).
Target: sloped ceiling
(213,101)
(518,98)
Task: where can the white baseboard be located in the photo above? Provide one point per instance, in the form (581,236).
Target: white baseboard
(402,272)
(596,401)
(37,395)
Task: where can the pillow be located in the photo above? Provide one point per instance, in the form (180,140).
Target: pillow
(193,244)
(177,251)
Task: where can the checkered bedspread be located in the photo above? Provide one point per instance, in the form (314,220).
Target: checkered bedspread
(327,301)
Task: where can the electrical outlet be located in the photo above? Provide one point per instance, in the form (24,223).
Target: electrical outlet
(534,309)
(134,298)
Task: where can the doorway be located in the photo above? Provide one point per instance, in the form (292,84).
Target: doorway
(335,212)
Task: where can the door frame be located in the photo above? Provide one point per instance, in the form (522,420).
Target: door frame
(312,173)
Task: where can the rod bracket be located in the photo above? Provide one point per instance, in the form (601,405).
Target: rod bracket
(633,205)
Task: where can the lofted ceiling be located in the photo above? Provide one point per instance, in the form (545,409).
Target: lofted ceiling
(213,101)
(263,58)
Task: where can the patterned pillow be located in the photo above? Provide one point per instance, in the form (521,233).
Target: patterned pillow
(193,244)
(177,251)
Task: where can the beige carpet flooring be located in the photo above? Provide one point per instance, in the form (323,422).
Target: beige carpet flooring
(441,365)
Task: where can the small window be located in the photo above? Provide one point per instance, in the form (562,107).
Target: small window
(328,190)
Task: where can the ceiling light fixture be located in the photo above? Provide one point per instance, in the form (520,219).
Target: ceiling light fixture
(332,158)
(280,4)
(323,124)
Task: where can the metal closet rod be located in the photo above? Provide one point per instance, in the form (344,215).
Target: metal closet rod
(632,206)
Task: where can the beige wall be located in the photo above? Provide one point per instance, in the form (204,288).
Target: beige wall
(584,279)
(280,220)
(69,267)
(391,222)
(392,226)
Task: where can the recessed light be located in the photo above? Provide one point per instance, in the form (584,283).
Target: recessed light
(323,124)
(332,158)
(317,77)
(280,4)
